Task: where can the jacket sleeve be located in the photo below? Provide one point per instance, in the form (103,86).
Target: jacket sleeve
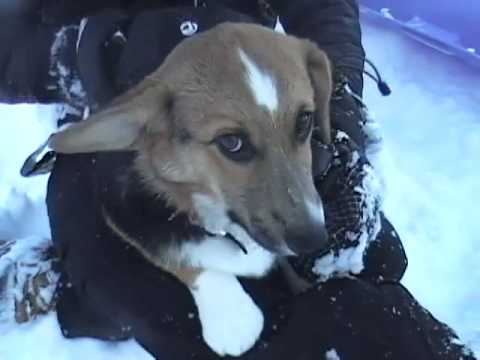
(25,48)
(30,33)
(334,26)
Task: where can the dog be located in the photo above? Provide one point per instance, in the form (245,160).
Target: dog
(221,131)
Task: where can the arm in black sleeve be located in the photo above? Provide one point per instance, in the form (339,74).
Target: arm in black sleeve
(25,53)
(33,34)
(334,26)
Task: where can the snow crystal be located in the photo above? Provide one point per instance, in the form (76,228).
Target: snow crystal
(332,355)
(340,135)
(354,159)
(348,261)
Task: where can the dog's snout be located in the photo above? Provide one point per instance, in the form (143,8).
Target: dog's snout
(309,234)
(300,233)
(307,238)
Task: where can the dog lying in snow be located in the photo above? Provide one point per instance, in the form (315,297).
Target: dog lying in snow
(222,130)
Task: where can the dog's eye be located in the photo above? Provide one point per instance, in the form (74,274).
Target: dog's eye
(230,143)
(235,147)
(304,125)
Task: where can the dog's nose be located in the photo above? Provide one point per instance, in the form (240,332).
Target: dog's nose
(308,234)
(307,238)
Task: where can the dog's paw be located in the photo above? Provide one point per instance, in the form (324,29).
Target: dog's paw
(231,321)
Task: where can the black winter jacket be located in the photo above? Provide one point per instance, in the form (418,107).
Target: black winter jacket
(115,294)
(28,30)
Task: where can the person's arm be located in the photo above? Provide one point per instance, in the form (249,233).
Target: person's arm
(25,50)
(31,35)
(334,25)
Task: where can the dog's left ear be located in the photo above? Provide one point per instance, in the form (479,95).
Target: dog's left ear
(117,127)
(320,72)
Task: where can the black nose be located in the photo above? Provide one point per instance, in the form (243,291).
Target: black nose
(307,239)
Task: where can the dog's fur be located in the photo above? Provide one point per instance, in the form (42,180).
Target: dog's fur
(233,79)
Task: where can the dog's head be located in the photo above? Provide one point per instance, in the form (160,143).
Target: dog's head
(223,130)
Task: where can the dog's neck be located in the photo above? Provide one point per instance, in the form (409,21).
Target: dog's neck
(145,216)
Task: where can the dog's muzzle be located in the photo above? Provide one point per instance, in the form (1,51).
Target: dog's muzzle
(304,238)
(307,240)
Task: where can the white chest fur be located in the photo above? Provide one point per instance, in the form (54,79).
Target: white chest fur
(231,321)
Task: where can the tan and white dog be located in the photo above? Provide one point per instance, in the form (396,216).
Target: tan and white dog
(222,130)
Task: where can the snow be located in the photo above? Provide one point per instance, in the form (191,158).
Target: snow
(43,340)
(20,132)
(430,166)
(67,80)
(429,162)
(332,355)
(21,263)
(350,260)
(23,217)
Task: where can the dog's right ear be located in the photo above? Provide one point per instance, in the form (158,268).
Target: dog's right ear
(118,127)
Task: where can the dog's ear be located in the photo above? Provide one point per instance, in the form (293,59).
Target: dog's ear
(117,127)
(320,72)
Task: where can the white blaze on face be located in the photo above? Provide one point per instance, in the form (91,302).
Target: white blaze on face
(261,84)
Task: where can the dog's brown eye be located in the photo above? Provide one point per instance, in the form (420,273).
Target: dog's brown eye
(231,143)
(235,147)
(304,125)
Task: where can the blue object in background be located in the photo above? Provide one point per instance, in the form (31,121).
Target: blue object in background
(461,18)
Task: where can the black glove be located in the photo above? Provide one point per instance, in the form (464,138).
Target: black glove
(351,196)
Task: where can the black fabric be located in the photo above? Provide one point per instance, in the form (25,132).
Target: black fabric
(92,63)
(152,33)
(25,61)
(334,25)
(385,260)
(27,32)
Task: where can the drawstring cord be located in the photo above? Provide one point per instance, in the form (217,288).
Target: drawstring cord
(381,84)
(342,82)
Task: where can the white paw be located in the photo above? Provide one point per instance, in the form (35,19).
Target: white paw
(231,321)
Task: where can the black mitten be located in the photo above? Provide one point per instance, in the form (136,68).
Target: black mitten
(351,197)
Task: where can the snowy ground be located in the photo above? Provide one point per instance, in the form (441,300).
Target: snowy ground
(431,128)
(432,142)
(22,129)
